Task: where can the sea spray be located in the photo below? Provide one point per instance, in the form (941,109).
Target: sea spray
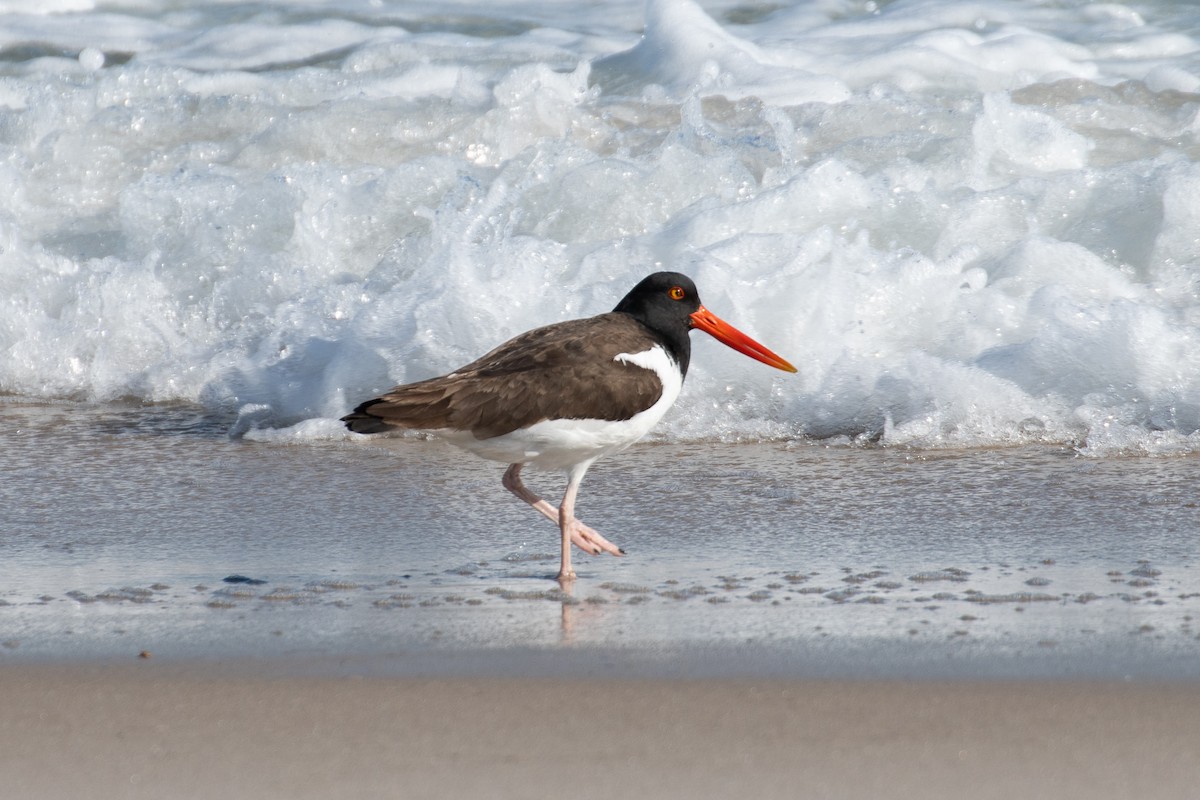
(966,223)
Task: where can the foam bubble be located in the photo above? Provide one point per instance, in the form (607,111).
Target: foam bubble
(91,59)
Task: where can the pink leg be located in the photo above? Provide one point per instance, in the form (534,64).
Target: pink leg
(573,530)
(566,515)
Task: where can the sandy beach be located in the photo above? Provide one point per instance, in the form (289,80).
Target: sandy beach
(151,731)
(953,556)
(822,623)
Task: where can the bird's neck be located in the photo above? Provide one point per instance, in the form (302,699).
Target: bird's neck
(677,343)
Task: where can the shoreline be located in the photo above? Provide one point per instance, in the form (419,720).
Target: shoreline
(181,731)
(808,563)
(950,661)
(816,623)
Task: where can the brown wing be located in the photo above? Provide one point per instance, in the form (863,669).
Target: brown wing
(561,371)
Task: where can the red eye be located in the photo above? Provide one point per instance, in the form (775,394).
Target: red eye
(676,293)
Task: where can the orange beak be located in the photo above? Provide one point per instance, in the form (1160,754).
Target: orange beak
(718,328)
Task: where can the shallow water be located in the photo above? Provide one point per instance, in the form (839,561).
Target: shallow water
(121,526)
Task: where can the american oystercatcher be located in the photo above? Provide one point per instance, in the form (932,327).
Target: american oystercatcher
(562,396)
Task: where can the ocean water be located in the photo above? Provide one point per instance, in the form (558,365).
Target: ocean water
(967,223)
(973,226)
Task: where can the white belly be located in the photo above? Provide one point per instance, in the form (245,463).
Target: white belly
(563,443)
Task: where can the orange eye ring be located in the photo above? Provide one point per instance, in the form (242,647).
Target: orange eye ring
(676,293)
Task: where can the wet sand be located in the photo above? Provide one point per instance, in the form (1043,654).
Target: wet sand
(121,529)
(152,731)
(791,621)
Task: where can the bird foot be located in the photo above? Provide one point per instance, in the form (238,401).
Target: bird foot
(591,542)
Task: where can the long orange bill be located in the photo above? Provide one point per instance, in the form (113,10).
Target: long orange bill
(718,328)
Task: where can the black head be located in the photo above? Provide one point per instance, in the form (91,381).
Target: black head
(667,303)
(664,303)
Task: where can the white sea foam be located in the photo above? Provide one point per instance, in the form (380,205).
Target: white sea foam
(967,223)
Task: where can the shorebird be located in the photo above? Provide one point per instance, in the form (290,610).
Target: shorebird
(564,395)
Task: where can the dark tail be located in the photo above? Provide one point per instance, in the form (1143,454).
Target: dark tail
(362,421)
